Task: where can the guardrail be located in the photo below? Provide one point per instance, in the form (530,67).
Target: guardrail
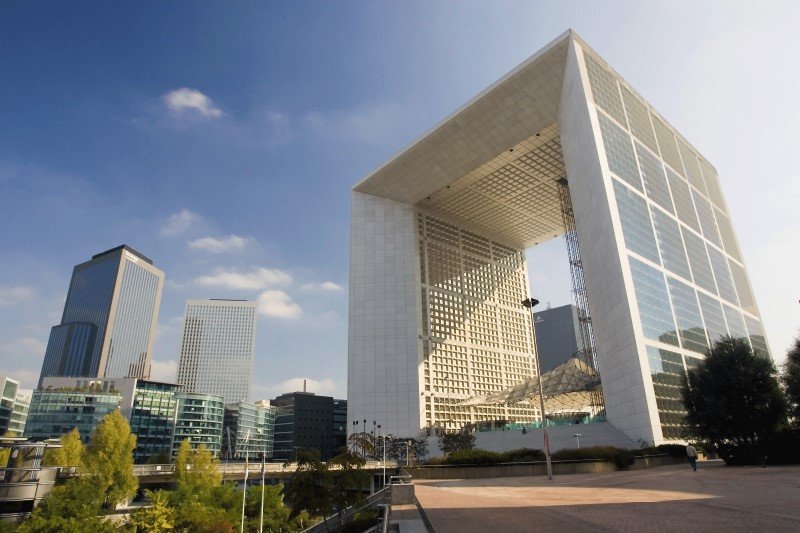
(339,519)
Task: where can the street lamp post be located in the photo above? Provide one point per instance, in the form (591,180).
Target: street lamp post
(263,467)
(530,303)
(578,438)
(246,467)
(408,447)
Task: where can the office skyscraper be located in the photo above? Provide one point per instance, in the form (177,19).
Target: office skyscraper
(109,320)
(216,355)
(561,146)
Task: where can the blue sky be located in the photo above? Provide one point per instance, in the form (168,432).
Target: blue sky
(221,139)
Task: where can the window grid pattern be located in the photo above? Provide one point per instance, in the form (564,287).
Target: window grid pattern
(653,303)
(713,317)
(476,334)
(655,181)
(604,89)
(639,119)
(668,234)
(735,322)
(726,231)
(635,220)
(706,217)
(619,152)
(746,300)
(692,167)
(687,314)
(723,276)
(712,185)
(667,371)
(757,338)
(667,145)
(698,261)
(683,200)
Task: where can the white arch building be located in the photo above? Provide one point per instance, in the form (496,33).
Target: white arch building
(437,264)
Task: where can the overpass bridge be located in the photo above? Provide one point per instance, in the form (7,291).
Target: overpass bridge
(273,472)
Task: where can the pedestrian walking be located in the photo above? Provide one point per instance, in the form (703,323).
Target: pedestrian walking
(691,453)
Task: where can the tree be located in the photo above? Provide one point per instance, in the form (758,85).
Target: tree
(419,448)
(362,442)
(733,398)
(74,507)
(276,514)
(157,518)
(196,472)
(108,460)
(791,380)
(70,454)
(453,442)
(348,479)
(307,489)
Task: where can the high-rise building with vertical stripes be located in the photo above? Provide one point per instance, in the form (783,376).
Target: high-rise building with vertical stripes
(109,320)
(217,348)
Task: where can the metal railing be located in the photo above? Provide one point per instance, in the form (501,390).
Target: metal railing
(239,468)
(339,519)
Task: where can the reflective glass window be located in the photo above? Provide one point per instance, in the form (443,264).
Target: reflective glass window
(692,167)
(639,119)
(746,300)
(735,322)
(667,372)
(667,145)
(619,151)
(635,219)
(683,200)
(653,303)
(706,217)
(726,231)
(668,235)
(698,260)
(723,276)
(687,315)
(757,338)
(713,317)
(655,181)
(604,89)
(712,185)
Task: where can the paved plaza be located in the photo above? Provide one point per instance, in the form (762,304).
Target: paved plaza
(669,498)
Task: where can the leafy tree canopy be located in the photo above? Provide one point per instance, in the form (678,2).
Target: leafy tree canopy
(791,380)
(733,396)
(75,507)
(109,459)
(70,454)
(452,442)
(308,490)
(196,471)
(158,518)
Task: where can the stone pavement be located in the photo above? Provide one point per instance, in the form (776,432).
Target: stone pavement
(668,498)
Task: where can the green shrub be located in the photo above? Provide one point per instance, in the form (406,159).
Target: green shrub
(621,457)
(522,455)
(473,457)
(673,450)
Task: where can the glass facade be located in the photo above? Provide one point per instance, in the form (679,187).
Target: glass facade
(7,401)
(653,303)
(217,348)
(257,420)
(152,419)
(666,371)
(690,285)
(56,412)
(199,419)
(108,324)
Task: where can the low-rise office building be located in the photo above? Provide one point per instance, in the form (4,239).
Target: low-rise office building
(198,419)
(306,421)
(249,430)
(65,403)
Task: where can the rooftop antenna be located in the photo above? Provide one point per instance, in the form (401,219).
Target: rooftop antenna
(304,385)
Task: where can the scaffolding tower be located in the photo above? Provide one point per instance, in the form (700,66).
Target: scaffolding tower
(588,353)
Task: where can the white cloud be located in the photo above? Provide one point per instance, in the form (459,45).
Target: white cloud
(258,279)
(27,378)
(278,304)
(12,295)
(24,347)
(231,243)
(191,100)
(179,223)
(164,370)
(325,387)
(324,286)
